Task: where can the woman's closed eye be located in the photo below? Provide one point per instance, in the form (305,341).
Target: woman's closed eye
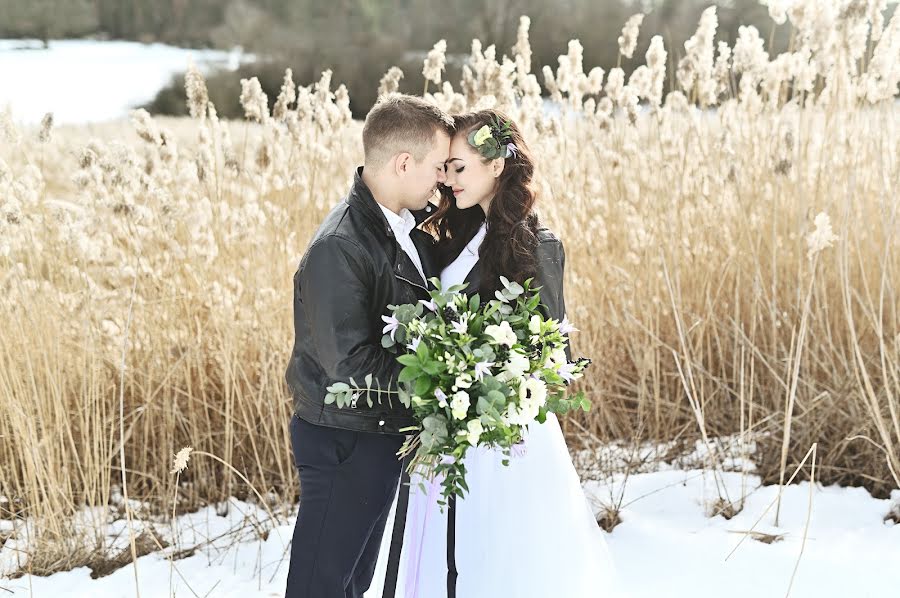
(460,169)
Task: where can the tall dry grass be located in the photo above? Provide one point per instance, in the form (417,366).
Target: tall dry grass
(708,295)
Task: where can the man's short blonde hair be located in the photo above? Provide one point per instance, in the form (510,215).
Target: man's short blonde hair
(400,123)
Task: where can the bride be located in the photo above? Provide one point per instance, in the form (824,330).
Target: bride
(524,530)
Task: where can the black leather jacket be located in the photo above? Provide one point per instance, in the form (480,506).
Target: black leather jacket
(352,270)
(551,263)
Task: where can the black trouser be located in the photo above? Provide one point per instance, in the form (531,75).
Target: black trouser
(347,484)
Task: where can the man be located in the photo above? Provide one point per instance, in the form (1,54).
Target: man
(362,258)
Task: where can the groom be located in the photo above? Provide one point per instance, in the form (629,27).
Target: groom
(366,255)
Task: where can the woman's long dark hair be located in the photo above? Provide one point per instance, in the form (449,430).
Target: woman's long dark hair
(509,247)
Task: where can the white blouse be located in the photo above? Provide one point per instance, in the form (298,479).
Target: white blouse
(456,272)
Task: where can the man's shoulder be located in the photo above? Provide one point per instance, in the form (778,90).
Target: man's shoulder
(337,224)
(336,233)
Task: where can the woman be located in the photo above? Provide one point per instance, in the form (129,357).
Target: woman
(524,530)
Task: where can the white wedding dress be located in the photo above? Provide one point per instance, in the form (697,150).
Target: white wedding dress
(524,530)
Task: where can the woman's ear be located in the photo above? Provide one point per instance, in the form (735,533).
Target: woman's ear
(497,166)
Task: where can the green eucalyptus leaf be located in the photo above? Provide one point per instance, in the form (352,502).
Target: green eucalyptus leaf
(404,396)
(497,398)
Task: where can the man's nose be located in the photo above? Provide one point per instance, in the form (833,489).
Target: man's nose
(442,176)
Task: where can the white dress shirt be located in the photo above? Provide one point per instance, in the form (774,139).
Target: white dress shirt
(456,272)
(402,225)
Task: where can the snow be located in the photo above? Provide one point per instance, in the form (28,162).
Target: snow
(666,545)
(90,81)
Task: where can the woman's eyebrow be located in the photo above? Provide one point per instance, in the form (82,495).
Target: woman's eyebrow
(454,160)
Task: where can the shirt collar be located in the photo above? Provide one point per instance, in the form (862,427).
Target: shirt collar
(403,222)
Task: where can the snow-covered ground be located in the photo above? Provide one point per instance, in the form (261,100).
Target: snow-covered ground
(665,547)
(89,81)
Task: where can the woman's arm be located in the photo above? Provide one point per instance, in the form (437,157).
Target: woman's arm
(551,263)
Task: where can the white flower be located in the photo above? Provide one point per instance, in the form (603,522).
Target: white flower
(558,357)
(459,405)
(517,364)
(482,368)
(519,449)
(430,304)
(822,237)
(534,325)
(441,396)
(475,429)
(502,334)
(483,134)
(463,381)
(566,372)
(392,325)
(524,414)
(412,346)
(533,389)
(461,326)
(565,327)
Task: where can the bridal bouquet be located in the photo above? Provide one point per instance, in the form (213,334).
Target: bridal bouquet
(473,375)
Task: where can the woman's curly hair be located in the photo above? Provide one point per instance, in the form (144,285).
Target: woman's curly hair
(509,246)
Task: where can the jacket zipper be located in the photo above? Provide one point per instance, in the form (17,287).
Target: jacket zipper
(415,284)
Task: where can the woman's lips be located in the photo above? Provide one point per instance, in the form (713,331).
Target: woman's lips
(457,191)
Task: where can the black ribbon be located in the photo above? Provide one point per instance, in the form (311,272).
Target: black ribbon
(451,547)
(393,566)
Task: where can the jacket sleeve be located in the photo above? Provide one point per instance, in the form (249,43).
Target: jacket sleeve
(551,264)
(336,285)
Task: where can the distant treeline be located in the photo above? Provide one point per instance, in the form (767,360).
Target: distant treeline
(361,39)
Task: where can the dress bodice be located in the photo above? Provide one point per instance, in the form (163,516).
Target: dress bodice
(457,271)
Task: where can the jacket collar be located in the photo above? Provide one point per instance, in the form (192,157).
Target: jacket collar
(360,198)
(474,280)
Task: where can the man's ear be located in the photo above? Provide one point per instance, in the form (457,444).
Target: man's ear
(403,163)
(497,166)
